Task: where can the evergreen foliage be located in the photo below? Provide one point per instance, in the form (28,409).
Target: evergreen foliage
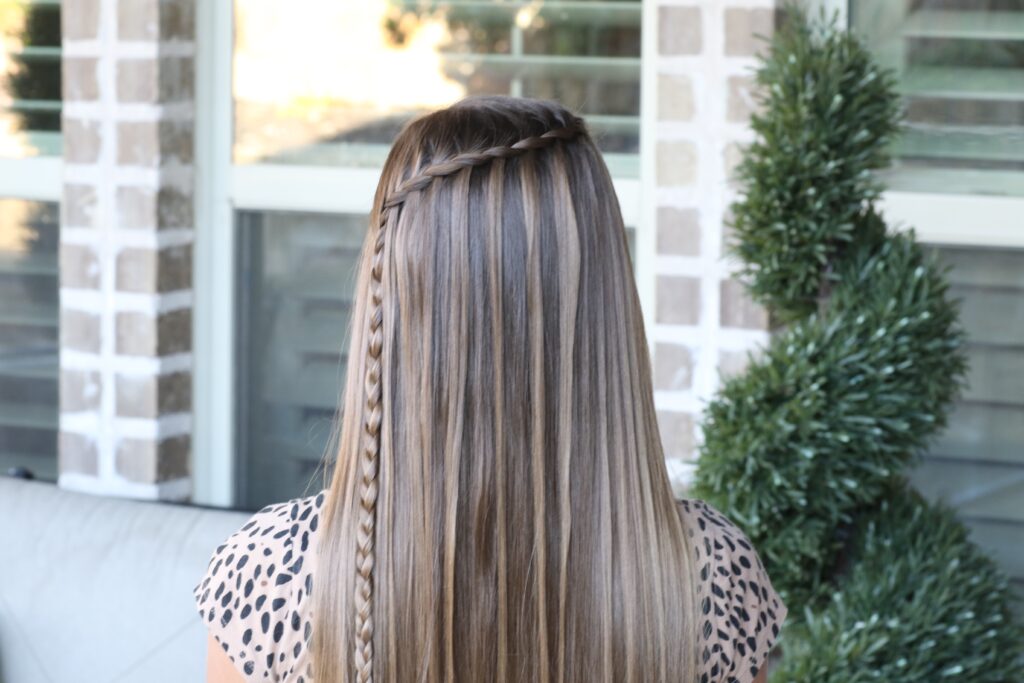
(920,603)
(807,450)
(828,113)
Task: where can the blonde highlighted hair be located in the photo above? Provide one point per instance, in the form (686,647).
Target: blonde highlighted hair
(499,508)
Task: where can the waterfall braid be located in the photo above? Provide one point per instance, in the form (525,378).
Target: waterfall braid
(499,468)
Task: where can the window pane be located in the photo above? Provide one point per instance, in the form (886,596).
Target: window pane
(295,279)
(331,82)
(29,235)
(978,463)
(30,78)
(961,70)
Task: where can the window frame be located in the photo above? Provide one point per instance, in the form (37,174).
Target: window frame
(32,178)
(222,188)
(943,218)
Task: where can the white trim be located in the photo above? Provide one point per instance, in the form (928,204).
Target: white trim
(213,436)
(128,365)
(131,237)
(977,220)
(629,192)
(33,178)
(646,202)
(176,489)
(98,302)
(304,188)
(313,188)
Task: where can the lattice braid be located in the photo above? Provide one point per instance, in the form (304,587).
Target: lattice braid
(365,534)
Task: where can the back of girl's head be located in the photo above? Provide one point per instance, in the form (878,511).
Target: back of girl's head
(499,508)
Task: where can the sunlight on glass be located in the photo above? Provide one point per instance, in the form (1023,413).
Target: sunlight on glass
(30,78)
(332,75)
(332,81)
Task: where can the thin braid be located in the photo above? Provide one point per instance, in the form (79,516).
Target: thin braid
(365,556)
(470,159)
(366,528)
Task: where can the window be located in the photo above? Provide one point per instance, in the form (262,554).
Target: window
(30,78)
(961,70)
(305,102)
(958,179)
(352,73)
(978,462)
(30,146)
(29,234)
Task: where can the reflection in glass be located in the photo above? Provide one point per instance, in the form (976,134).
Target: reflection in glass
(977,464)
(331,82)
(30,78)
(295,285)
(29,236)
(961,71)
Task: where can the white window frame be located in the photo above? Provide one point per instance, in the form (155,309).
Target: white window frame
(222,188)
(31,178)
(940,218)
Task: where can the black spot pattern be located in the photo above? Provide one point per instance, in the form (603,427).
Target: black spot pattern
(254,596)
(740,612)
(264,624)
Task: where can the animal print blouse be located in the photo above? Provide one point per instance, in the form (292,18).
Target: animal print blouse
(255,594)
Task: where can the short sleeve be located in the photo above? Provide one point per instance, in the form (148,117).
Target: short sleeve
(742,614)
(253,595)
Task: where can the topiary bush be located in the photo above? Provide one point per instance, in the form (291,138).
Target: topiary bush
(919,603)
(805,448)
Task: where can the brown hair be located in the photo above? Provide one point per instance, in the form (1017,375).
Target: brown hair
(499,509)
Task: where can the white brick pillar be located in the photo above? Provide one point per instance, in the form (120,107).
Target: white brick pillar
(704,323)
(126,247)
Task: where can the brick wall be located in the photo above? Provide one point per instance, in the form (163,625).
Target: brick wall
(704,324)
(126,247)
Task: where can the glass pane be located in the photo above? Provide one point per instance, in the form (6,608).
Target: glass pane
(30,78)
(295,280)
(29,236)
(961,70)
(331,82)
(978,463)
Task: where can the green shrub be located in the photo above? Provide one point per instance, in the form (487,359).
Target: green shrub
(836,406)
(824,423)
(828,112)
(920,603)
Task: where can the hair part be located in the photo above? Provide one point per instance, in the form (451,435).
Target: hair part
(500,487)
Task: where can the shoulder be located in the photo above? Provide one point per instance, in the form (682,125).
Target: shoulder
(741,614)
(254,593)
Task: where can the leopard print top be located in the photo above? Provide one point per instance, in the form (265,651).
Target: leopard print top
(254,595)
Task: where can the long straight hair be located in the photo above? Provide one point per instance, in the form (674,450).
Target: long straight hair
(499,509)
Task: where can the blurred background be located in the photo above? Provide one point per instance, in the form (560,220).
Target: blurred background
(185,185)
